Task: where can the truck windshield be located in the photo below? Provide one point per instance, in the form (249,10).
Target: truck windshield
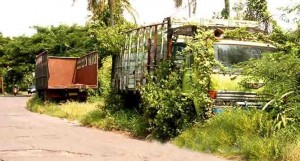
(231,54)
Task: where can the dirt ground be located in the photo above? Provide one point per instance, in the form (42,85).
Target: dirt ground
(26,136)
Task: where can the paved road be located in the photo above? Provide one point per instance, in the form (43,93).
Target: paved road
(26,136)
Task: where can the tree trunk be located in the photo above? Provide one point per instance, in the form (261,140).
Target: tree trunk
(111,9)
(2,85)
(227,8)
(189,7)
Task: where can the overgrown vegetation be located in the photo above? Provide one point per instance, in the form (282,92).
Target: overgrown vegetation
(280,72)
(268,134)
(237,132)
(166,109)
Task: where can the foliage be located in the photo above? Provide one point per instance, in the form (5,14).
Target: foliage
(292,12)
(236,132)
(63,40)
(3,42)
(107,39)
(192,5)
(226,11)
(109,12)
(280,73)
(162,95)
(257,10)
(201,48)
(166,109)
(271,135)
(104,74)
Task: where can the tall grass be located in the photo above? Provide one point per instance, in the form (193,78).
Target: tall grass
(238,133)
(123,120)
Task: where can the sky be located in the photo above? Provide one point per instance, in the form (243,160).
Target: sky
(18,16)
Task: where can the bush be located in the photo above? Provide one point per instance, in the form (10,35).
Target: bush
(166,109)
(280,73)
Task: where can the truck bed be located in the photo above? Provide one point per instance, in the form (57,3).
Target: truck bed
(61,76)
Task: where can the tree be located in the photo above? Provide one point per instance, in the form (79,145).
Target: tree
(292,13)
(3,66)
(191,4)
(109,11)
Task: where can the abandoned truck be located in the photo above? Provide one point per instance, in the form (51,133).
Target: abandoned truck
(60,78)
(147,46)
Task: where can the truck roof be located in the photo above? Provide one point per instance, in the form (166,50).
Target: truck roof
(186,23)
(246,43)
(226,23)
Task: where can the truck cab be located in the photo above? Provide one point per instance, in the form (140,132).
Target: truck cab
(226,87)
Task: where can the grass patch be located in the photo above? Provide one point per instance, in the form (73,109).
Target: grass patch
(93,115)
(69,110)
(239,133)
(126,121)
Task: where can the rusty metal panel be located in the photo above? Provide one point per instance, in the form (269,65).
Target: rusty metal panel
(61,72)
(66,73)
(144,48)
(41,71)
(87,70)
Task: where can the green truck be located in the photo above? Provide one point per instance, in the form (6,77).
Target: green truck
(147,46)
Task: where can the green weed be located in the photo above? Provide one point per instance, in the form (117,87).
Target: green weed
(238,132)
(121,120)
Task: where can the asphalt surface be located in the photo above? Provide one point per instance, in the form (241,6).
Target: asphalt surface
(26,136)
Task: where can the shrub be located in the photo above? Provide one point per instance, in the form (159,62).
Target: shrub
(166,109)
(280,73)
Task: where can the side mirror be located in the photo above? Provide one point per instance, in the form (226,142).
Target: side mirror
(219,33)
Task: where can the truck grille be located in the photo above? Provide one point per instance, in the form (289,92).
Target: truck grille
(225,98)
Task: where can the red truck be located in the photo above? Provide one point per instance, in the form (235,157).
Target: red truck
(60,78)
